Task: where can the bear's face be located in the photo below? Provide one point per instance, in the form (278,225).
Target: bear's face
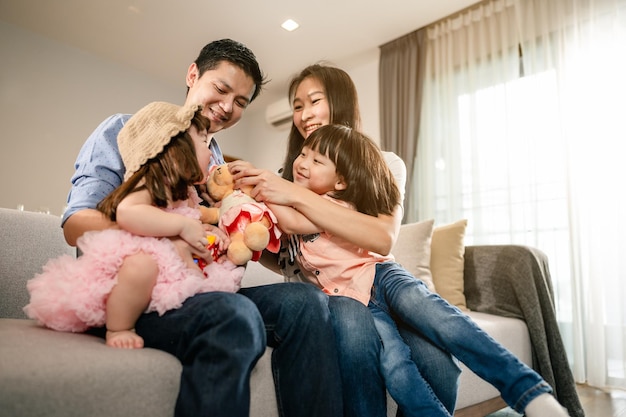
(220,182)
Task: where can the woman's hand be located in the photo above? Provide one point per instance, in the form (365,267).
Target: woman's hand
(268,187)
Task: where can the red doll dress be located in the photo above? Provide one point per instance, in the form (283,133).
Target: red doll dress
(71,293)
(239,210)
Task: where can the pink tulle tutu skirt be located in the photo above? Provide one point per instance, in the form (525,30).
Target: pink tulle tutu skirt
(71,293)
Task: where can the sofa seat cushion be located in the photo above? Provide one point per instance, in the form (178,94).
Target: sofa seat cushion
(513,335)
(256,274)
(40,367)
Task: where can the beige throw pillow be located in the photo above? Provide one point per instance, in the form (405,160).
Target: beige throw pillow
(412,250)
(447,262)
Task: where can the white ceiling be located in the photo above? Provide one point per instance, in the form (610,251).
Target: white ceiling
(162,37)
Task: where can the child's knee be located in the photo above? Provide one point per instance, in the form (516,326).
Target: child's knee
(141,268)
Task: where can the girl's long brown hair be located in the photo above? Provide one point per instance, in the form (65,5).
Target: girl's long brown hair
(167,176)
(371,187)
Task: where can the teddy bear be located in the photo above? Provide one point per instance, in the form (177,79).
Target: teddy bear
(250,225)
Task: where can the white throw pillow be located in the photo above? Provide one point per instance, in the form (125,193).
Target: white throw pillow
(412,250)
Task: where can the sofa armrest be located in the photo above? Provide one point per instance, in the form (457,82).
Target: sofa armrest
(28,241)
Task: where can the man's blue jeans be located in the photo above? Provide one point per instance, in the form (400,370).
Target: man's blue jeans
(397,295)
(219,337)
(359,357)
(304,361)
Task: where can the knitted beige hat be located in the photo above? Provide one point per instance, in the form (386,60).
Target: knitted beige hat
(148,131)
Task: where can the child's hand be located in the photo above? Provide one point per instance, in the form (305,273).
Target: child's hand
(221,239)
(212,252)
(193,233)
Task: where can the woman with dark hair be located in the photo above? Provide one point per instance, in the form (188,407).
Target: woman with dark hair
(323,95)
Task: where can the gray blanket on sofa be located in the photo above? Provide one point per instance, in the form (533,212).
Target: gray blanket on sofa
(524,292)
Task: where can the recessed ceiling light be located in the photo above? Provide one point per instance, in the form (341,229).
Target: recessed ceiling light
(290,25)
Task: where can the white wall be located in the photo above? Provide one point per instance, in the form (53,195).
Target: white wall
(52,96)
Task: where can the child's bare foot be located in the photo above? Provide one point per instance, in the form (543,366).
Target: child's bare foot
(124,339)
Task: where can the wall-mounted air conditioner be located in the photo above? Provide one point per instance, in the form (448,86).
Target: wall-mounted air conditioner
(279,113)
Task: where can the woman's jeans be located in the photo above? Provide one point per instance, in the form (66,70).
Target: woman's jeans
(397,295)
(359,358)
(219,337)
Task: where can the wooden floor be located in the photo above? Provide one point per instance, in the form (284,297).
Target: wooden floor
(595,402)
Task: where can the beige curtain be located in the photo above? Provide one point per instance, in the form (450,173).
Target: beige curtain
(401,71)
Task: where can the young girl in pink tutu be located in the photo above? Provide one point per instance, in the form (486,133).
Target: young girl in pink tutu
(147,263)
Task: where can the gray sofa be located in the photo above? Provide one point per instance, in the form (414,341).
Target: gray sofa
(49,373)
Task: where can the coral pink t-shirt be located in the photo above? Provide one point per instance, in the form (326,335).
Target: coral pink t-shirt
(337,266)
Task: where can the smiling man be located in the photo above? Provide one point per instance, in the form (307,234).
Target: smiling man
(219,336)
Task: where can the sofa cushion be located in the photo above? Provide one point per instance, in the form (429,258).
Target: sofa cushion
(256,274)
(436,256)
(21,255)
(447,262)
(49,373)
(412,250)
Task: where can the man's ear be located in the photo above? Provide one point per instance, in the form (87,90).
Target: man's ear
(192,75)
(341,184)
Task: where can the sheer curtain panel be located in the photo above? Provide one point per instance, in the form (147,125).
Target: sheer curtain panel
(521,132)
